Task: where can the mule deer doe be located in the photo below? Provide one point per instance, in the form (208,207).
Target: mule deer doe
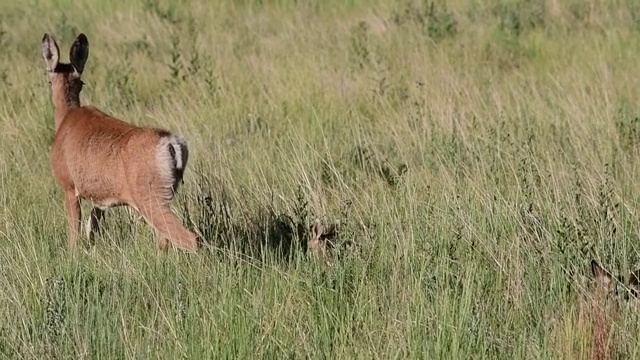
(104,160)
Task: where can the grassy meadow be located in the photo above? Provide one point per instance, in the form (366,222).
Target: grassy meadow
(474,156)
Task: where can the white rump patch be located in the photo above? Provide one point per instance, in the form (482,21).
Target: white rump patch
(172,155)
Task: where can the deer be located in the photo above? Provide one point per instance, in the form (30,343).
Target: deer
(98,158)
(605,285)
(327,244)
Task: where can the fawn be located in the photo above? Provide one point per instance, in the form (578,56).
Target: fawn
(104,160)
(327,244)
(607,284)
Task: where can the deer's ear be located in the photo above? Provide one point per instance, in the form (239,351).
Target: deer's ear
(79,53)
(634,282)
(601,275)
(50,52)
(317,230)
(314,242)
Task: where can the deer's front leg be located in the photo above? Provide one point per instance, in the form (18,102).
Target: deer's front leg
(73,207)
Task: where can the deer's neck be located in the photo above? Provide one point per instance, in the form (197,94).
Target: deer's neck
(64,104)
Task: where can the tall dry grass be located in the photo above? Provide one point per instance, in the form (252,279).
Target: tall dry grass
(475,154)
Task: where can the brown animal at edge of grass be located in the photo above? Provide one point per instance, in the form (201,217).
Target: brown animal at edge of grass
(104,160)
(602,311)
(605,284)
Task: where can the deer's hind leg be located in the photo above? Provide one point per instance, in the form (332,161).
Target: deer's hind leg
(170,228)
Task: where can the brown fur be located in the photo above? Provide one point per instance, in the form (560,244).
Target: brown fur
(316,244)
(104,160)
(604,310)
(321,243)
(605,284)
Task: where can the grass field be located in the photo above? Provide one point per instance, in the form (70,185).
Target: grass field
(475,157)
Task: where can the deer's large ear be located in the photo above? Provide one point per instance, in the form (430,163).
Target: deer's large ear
(634,283)
(79,53)
(317,230)
(602,276)
(50,52)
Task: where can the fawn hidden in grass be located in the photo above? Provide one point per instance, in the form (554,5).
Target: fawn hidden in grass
(602,310)
(104,160)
